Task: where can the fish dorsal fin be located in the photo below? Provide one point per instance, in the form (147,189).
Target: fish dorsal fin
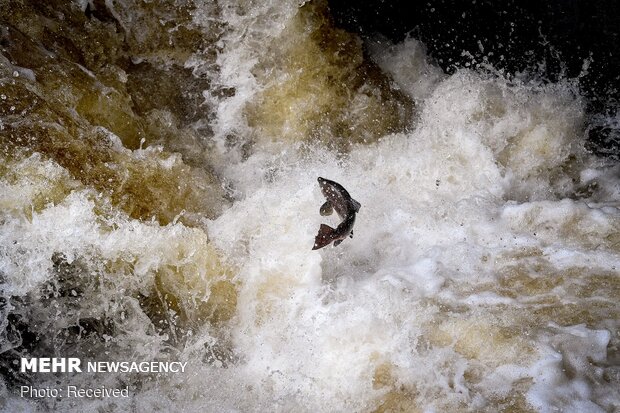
(356,205)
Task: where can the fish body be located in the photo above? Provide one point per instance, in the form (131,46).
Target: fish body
(339,200)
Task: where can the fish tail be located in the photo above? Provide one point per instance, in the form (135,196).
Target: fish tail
(325,236)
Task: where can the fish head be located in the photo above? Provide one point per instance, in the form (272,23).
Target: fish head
(329,188)
(326,187)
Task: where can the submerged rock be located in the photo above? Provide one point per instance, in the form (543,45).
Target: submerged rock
(318,85)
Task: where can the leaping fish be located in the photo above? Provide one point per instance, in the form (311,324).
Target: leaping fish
(338,199)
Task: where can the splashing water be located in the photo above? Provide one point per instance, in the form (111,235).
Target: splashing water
(483,274)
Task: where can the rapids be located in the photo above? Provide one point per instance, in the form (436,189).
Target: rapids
(159,203)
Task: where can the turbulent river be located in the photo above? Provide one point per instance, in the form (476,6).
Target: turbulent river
(159,202)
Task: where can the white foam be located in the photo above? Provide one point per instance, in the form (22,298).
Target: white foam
(409,66)
(567,378)
(440,287)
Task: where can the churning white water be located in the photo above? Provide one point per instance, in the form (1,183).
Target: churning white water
(483,274)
